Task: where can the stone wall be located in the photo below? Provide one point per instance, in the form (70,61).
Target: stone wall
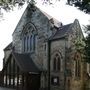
(58,47)
(40,56)
(75,36)
(42,26)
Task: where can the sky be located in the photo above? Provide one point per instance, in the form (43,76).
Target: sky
(59,10)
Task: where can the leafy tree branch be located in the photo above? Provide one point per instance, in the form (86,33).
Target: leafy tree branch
(87,46)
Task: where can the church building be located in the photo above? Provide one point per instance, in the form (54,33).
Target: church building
(44,54)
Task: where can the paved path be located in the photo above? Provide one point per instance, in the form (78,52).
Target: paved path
(3,88)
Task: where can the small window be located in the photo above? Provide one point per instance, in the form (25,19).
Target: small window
(77,68)
(55,80)
(34,42)
(31,43)
(24,41)
(27,43)
(56,63)
(77,59)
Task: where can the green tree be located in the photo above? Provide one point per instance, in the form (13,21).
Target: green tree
(87,46)
(83,5)
(9,4)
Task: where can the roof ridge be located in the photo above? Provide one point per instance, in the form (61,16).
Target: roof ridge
(61,32)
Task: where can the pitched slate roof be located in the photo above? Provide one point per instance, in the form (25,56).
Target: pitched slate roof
(61,32)
(25,62)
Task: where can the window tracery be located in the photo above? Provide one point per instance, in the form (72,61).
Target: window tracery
(29,38)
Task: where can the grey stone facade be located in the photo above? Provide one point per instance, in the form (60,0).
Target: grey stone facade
(62,45)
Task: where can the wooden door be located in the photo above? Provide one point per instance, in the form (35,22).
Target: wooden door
(33,82)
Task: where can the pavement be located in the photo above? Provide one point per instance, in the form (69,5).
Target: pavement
(3,88)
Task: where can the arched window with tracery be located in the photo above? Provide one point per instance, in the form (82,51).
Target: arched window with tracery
(29,38)
(56,62)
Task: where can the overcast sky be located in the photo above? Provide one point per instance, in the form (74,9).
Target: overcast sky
(62,12)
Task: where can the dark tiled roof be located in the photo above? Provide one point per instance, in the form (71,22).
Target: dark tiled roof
(61,32)
(8,47)
(25,62)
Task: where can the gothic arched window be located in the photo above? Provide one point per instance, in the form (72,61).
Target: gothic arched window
(56,62)
(77,59)
(77,68)
(29,38)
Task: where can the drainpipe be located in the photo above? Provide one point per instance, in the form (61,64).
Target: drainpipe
(49,43)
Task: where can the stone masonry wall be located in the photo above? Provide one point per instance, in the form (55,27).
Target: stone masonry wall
(58,46)
(42,25)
